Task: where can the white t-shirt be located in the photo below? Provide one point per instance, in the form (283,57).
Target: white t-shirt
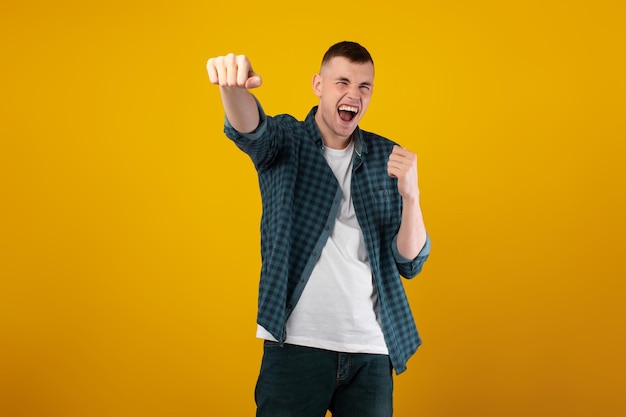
(338,307)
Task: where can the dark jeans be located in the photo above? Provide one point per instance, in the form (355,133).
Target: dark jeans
(297,381)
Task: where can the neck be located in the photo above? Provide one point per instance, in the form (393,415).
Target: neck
(331,140)
(336,143)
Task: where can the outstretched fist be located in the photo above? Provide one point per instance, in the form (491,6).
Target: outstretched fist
(232,71)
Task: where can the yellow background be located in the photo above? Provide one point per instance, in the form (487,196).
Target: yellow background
(129,247)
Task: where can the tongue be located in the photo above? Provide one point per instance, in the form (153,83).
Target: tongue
(346,116)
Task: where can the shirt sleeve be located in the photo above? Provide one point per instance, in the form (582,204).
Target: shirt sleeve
(262,145)
(410,267)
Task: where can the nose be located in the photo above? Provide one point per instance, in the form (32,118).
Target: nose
(354,91)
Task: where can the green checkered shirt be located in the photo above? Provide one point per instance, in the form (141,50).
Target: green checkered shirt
(301,197)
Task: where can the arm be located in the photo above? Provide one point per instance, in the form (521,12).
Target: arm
(234,75)
(412,233)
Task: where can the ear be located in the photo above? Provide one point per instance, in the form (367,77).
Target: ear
(317,85)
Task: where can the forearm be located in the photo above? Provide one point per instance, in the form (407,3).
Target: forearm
(241,108)
(412,232)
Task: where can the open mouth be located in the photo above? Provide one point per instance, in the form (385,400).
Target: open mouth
(347,113)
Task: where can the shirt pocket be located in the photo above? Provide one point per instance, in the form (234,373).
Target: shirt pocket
(387,207)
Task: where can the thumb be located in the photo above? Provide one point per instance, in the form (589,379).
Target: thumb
(254,80)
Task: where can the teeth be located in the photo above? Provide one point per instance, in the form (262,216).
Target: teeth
(348,108)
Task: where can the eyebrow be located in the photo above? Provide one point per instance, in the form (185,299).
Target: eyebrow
(348,81)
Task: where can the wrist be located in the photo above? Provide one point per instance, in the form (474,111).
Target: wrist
(412,199)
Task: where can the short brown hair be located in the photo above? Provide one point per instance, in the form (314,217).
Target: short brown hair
(350,50)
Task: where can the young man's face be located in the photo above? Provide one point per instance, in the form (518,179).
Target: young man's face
(345,89)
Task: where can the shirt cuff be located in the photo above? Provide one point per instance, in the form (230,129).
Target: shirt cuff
(401,259)
(257,133)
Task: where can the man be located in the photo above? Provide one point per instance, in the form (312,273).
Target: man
(341,222)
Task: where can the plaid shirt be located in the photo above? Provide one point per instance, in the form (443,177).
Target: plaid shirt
(301,197)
